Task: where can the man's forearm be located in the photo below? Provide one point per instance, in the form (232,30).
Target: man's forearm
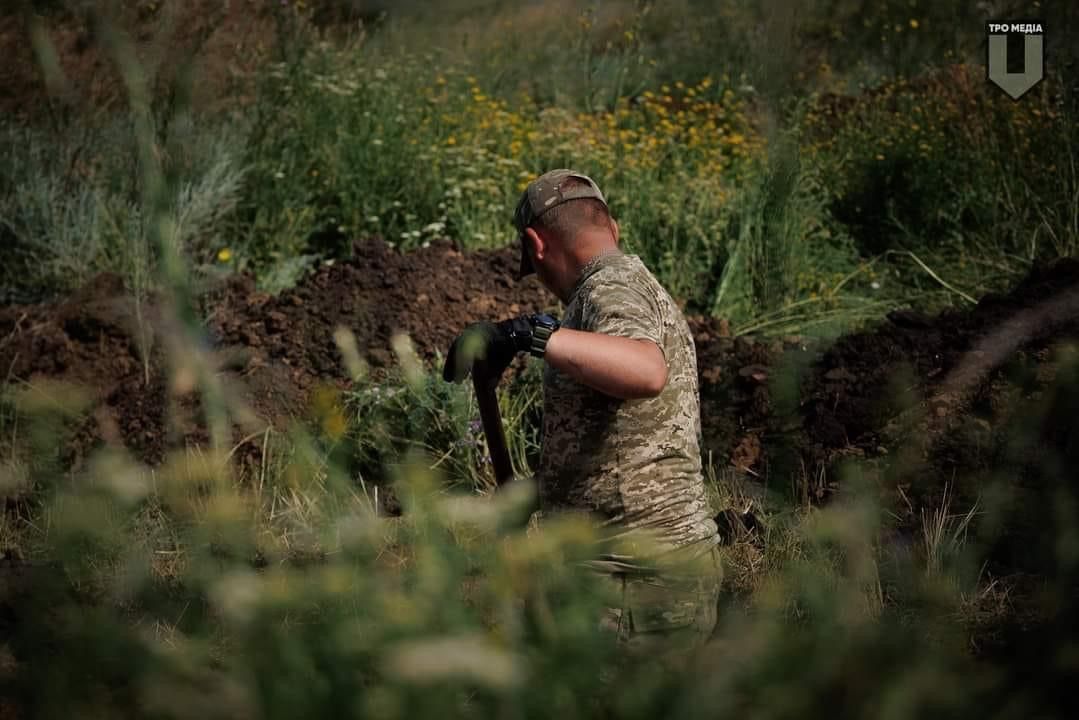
(616,366)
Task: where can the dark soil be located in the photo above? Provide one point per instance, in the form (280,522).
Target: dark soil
(776,408)
(276,348)
(429,294)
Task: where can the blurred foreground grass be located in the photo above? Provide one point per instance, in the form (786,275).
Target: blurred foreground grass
(202,588)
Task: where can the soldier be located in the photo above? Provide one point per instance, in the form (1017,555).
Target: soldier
(621,418)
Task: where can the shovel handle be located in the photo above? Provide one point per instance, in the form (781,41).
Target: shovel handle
(491,417)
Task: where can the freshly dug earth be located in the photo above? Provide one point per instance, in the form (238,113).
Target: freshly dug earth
(429,294)
(275,347)
(927,400)
(974,407)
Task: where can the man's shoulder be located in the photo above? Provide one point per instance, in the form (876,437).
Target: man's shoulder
(622,275)
(630,277)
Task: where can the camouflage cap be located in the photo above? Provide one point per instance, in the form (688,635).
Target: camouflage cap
(544,193)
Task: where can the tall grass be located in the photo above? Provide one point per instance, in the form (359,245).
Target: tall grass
(426,122)
(71,205)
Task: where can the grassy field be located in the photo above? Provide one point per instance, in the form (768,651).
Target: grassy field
(793,168)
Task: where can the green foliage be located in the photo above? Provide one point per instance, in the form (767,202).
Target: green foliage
(388,143)
(945,167)
(70,206)
(454,609)
(671,107)
(392,419)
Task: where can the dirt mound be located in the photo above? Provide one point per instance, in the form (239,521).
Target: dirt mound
(429,294)
(945,365)
(274,349)
(972,408)
(940,391)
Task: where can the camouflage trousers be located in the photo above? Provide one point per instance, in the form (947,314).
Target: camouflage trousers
(664,615)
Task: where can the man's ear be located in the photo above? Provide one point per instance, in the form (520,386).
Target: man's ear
(614,229)
(535,241)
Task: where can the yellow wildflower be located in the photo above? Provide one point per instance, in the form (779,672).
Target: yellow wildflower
(224,255)
(334,424)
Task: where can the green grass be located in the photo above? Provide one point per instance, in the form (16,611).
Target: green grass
(749,195)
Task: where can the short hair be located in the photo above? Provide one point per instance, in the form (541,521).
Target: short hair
(572,216)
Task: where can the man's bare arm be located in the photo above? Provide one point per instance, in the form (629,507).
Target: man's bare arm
(620,367)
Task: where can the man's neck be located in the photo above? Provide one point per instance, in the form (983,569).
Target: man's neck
(582,260)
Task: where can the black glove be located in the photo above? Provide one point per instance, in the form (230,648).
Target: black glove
(487,347)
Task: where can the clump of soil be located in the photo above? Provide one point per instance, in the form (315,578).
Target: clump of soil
(274,348)
(429,294)
(779,408)
(975,407)
(949,365)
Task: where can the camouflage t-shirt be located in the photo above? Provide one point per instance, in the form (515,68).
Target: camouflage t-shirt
(634,463)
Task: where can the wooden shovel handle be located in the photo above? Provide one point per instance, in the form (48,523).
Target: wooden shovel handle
(485,387)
